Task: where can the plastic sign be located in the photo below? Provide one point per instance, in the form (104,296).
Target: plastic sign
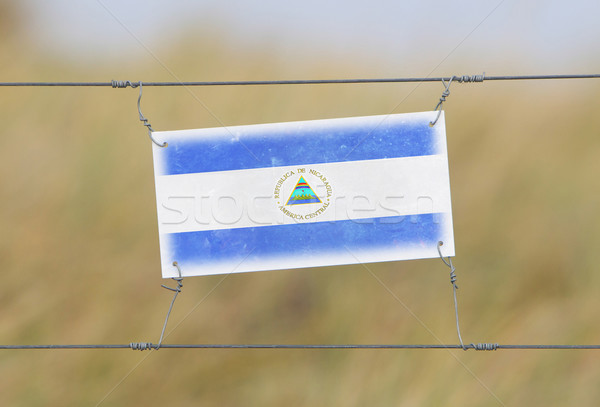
(303,194)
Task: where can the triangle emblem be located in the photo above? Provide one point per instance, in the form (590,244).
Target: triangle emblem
(303,194)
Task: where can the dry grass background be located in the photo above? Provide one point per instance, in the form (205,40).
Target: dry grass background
(79,247)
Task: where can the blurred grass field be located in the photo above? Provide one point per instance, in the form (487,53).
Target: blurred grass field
(79,247)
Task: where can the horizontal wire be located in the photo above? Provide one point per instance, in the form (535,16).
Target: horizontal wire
(281,346)
(123,84)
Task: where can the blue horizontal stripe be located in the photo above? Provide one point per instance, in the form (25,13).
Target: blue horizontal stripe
(309,239)
(310,142)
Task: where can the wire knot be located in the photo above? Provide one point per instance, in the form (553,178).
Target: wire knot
(124,84)
(484,346)
(141,345)
(177,279)
(453,277)
(445,94)
(179,285)
(439,106)
(448,263)
(469,79)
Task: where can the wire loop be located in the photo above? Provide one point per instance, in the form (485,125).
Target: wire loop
(145,121)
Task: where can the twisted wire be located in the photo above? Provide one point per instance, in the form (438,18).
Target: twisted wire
(454,288)
(143,119)
(470,79)
(177,290)
(484,346)
(124,84)
(141,346)
(438,107)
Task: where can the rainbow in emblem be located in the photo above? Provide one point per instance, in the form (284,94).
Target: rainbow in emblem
(303,194)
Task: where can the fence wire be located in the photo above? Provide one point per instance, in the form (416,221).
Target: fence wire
(457,78)
(151,346)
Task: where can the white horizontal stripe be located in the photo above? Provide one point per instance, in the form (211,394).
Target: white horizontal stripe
(247,198)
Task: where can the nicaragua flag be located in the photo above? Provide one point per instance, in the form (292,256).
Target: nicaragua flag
(303,194)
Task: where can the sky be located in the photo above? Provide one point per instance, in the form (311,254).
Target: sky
(415,36)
